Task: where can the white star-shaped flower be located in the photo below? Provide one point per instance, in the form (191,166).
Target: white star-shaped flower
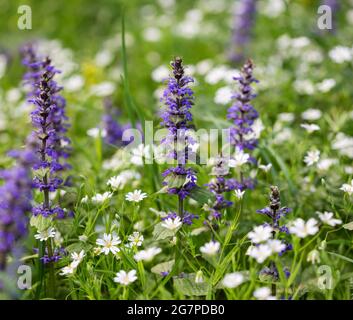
(118,182)
(100,198)
(265,168)
(125,278)
(260,253)
(276,245)
(312,114)
(340,54)
(233,280)
(135,196)
(77,257)
(260,234)
(135,239)
(148,254)
(109,243)
(327,217)
(210,248)
(172,224)
(238,159)
(312,157)
(44,235)
(310,127)
(239,193)
(68,270)
(303,229)
(348,188)
(325,164)
(263,293)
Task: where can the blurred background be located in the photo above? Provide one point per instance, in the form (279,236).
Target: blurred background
(305,76)
(294,60)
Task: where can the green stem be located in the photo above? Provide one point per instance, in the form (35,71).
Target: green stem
(51,282)
(274,289)
(179,245)
(125,293)
(273,265)
(181,207)
(40,269)
(2,261)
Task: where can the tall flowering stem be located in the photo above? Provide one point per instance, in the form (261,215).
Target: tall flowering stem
(15,201)
(243,115)
(275,212)
(244,17)
(50,123)
(49,120)
(178,99)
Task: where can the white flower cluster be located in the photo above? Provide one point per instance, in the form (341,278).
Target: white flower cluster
(263,246)
(76,260)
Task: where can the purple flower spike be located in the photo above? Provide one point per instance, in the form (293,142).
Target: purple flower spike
(244,17)
(114,131)
(50,122)
(178,99)
(15,201)
(243,115)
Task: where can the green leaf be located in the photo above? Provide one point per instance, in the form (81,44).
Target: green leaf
(78,246)
(41,172)
(163,190)
(65,226)
(163,267)
(281,163)
(69,199)
(340,256)
(201,195)
(40,223)
(161,233)
(132,108)
(175,181)
(189,287)
(197,231)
